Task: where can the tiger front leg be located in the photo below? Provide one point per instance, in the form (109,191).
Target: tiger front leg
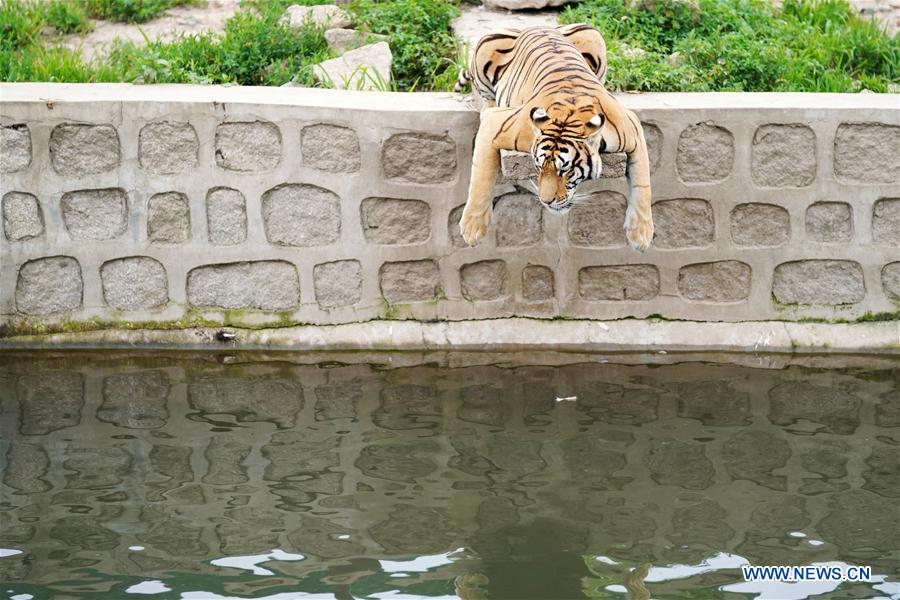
(477,214)
(638,216)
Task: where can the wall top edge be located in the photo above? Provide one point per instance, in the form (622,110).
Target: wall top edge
(11,93)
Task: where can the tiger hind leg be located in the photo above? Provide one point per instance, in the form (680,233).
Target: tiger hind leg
(590,43)
(491,56)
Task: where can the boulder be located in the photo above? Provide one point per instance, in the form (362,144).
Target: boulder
(324,15)
(366,68)
(341,40)
(523,4)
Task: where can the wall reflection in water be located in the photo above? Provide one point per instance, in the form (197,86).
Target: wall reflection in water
(193,461)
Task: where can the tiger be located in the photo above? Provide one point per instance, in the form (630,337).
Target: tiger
(543,93)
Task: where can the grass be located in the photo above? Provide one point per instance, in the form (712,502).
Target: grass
(654,45)
(741,45)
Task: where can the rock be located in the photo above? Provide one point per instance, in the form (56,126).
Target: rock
(95,214)
(392,221)
(819,282)
(15,148)
(22,216)
(867,153)
(633,52)
(419,158)
(410,281)
(485,280)
(721,281)
(683,223)
(79,150)
(537,283)
(830,222)
(248,146)
(167,147)
(301,215)
(263,285)
(330,148)
(325,15)
(49,285)
(168,218)
(341,40)
(618,282)
(705,153)
(366,68)
(226,216)
(760,225)
(783,156)
(134,283)
(338,283)
(523,4)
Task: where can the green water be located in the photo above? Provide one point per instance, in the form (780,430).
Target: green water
(205,476)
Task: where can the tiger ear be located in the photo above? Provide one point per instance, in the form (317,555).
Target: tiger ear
(597,121)
(539,115)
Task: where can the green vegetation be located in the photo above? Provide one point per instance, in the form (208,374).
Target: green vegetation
(654,45)
(130,11)
(741,45)
(256,48)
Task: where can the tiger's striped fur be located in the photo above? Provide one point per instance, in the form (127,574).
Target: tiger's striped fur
(543,93)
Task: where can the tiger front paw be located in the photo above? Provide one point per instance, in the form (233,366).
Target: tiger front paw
(473,226)
(638,231)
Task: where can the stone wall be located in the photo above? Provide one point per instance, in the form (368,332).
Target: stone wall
(256,205)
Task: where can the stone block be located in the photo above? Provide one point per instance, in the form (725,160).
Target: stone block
(518,220)
(783,156)
(262,285)
(654,139)
(705,153)
(22,216)
(410,281)
(79,150)
(419,158)
(250,146)
(886,222)
(168,218)
(829,222)
(392,221)
(484,280)
(341,40)
(323,15)
(683,223)
(618,282)
(301,215)
(720,281)
(168,147)
(15,148)
(456,237)
(819,282)
(537,283)
(366,68)
(890,280)
(330,148)
(226,216)
(760,225)
(597,221)
(49,285)
(867,153)
(338,283)
(95,214)
(134,283)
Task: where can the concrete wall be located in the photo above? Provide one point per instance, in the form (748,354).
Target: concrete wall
(258,205)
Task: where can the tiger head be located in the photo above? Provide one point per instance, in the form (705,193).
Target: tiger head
(565,153)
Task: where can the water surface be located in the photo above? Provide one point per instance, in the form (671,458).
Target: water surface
(131,475)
